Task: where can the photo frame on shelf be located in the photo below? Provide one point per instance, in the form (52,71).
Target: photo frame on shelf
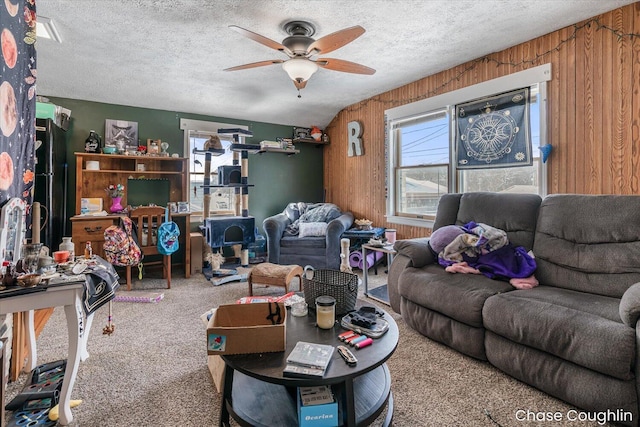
(121,133)
(301,133)
(153,146)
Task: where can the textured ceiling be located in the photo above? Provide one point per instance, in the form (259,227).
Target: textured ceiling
(169,54)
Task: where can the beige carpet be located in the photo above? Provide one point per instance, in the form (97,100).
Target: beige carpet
(152,371)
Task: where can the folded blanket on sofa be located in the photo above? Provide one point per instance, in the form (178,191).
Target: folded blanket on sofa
(320,212)
(487,250)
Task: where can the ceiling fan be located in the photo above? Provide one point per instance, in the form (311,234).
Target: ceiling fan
(300,47)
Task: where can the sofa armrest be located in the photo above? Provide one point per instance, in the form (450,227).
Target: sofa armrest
(335,228)
(417,250)
(630,305)
(339,225)
(274,227)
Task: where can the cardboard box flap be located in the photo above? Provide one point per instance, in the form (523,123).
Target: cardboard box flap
(247,328)
(247,315)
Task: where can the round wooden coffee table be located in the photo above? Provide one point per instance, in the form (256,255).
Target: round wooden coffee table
(255,393)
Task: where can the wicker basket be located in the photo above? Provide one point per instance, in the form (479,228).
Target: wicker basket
(342,286)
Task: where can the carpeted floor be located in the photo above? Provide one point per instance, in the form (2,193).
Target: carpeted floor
(152,371)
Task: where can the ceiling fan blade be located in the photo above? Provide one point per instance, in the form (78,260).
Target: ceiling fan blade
(261,39)
(335,40)
(255,64)
(300,85)
(344,66)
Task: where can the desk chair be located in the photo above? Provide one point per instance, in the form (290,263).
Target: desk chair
(147,219)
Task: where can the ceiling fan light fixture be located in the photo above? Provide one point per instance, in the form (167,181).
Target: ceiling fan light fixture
(299,69)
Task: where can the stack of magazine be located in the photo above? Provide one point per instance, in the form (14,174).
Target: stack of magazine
(316,395)
(308,360)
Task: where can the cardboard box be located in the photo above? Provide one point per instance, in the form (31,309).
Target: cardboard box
(317,415)
(245,328)
(196,252)
(216,369)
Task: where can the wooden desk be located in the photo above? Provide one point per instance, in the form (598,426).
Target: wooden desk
(91,228)
(70,297)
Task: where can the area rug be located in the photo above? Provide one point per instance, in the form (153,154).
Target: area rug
(139,296)
(152,371)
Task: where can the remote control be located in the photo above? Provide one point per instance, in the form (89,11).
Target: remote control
(346,354)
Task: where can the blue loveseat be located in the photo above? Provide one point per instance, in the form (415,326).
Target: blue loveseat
(321,250)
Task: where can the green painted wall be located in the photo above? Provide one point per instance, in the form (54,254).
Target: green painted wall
(278,178)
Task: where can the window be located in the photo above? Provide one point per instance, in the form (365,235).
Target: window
(222,199)
(422,170)
(421,148)
(196,133)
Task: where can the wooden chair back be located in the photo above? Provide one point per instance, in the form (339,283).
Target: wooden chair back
(147,220)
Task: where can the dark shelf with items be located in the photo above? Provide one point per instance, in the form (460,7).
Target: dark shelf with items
(227,185)
(213,151)
(310,141)
(257,149)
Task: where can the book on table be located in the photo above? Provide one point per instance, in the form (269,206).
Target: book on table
(308,360)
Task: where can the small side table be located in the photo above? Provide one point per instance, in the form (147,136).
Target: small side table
(359,237)
(387,249)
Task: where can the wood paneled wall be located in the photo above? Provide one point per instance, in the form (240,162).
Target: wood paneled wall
(593,115)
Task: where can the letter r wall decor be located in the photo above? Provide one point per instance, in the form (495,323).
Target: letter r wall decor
(354,141)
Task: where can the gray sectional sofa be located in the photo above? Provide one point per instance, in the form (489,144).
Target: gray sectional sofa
(575,336)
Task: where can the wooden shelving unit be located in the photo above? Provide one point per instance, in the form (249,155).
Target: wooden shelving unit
(116,169)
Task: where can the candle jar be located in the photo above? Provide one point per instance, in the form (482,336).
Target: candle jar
(299,309)
(390,235)
(325,312)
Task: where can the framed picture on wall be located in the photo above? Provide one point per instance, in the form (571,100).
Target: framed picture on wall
(121,134)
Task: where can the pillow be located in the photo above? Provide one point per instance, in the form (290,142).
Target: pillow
(441,237)
(312,229)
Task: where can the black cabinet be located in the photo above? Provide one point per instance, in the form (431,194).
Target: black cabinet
(51,187)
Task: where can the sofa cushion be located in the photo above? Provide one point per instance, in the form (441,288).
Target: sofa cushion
(589,243)
(582,328)
(458,296)
(579,386)
(307,242)
(462,337)
(514,213)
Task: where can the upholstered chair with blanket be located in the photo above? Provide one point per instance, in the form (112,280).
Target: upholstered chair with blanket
(307,234)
